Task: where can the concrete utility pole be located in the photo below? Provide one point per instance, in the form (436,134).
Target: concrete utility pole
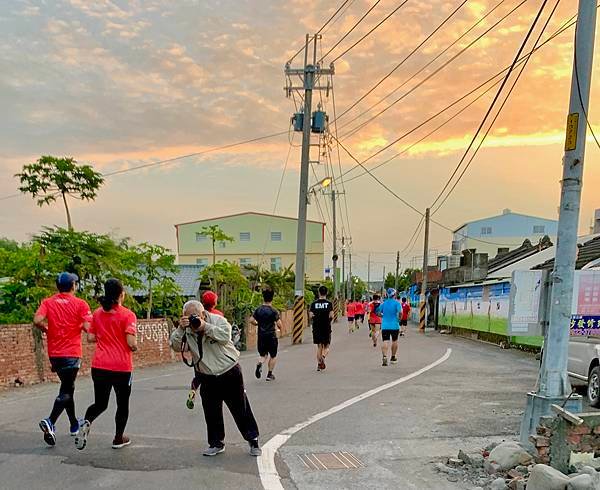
(397,270)
(553,382)
(369,273)
(383,284)
(335,257)
(345,290)
(308,74)
(350,276)
(423,311)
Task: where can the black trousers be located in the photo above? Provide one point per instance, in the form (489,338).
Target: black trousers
(67,373)
(104,382)
(228,388)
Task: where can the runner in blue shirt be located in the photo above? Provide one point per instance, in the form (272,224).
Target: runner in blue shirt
(390,311)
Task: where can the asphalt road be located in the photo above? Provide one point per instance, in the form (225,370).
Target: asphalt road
(475,396)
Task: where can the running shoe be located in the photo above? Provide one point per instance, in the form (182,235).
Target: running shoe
(401,334)
(82,435)
(384,361)
(213,450)
(74,429)
(323,366)
(270,377)
(393,360)
(255,449)
(190,399)
(48,430)
(120,441)
(258,370)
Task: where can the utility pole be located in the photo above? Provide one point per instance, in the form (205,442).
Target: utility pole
(345,290)
(383,283)
(308,74)
(423,311)
(553,382)
(397,270)
(350,276)
(369,273)
(335,257)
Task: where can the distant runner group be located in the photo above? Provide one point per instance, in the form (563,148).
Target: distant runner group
(204,339)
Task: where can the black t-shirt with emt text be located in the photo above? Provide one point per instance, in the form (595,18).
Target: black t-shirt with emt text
(321,309)
(266,316)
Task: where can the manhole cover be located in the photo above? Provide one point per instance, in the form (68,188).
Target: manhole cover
(341,460)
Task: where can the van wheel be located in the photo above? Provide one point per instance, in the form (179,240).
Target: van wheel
(593,390)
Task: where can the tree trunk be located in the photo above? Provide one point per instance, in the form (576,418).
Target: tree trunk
(69,224)
(149,312)
(214,285)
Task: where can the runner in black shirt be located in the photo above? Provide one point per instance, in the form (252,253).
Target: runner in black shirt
(269,322)
(321,313)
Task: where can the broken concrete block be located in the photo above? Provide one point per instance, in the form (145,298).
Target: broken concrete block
(544,477)
(582,482)
(509,454)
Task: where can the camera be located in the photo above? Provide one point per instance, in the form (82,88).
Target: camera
(195,321)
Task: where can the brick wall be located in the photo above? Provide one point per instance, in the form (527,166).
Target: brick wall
(24,358)
(558,440)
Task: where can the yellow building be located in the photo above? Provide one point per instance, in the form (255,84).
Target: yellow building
(259,239)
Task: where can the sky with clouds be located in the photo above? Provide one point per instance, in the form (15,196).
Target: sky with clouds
(118,83)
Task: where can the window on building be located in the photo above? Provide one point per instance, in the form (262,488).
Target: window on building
(201,237)
(222,244)
(202,263)
(275,264)
(486,230)
(244,236)
(275,236)
(539,229)
(245,261)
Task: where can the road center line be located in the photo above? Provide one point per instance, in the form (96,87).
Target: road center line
(267,470)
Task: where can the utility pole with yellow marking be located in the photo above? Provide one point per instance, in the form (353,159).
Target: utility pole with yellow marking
(553,382)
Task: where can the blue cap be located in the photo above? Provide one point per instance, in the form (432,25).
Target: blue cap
(391,292)
(66,279)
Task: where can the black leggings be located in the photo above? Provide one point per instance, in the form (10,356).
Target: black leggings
(64,400)
(104,382)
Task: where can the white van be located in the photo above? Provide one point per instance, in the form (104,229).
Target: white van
(584,365)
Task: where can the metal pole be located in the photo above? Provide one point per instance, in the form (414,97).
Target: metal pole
(554,386)
(423,311)
(553,377)
(350,276)
(309,74)
(383,284)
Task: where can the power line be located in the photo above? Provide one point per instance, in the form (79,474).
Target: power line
(373,29)
(362,97)
(322,27)
(492,105)
(568,24)
(428,77)
(356,24)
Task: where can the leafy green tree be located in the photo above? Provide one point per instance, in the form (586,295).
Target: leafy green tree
(216,234)
(154,265)
(50,177)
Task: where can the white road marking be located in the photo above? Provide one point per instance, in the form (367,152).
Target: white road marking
(344,463)
(267,470)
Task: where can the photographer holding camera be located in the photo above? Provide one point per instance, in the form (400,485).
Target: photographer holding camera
(207,337)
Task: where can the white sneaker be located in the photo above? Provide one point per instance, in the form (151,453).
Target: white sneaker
(82,435)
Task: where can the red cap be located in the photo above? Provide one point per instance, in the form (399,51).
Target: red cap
(209,299)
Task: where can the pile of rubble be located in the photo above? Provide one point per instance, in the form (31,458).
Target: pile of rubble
(508,466)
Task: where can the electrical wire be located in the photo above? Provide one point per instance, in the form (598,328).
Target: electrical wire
(428,77)
(373,29)
(566,25)
(389,74)
(356,24)
(493,104)
(322,27)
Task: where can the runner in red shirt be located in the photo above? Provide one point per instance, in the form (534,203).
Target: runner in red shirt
(114,331)
(350,312)
(63,317)
(209,300)
(374,318)
(404,317)
(359,312)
